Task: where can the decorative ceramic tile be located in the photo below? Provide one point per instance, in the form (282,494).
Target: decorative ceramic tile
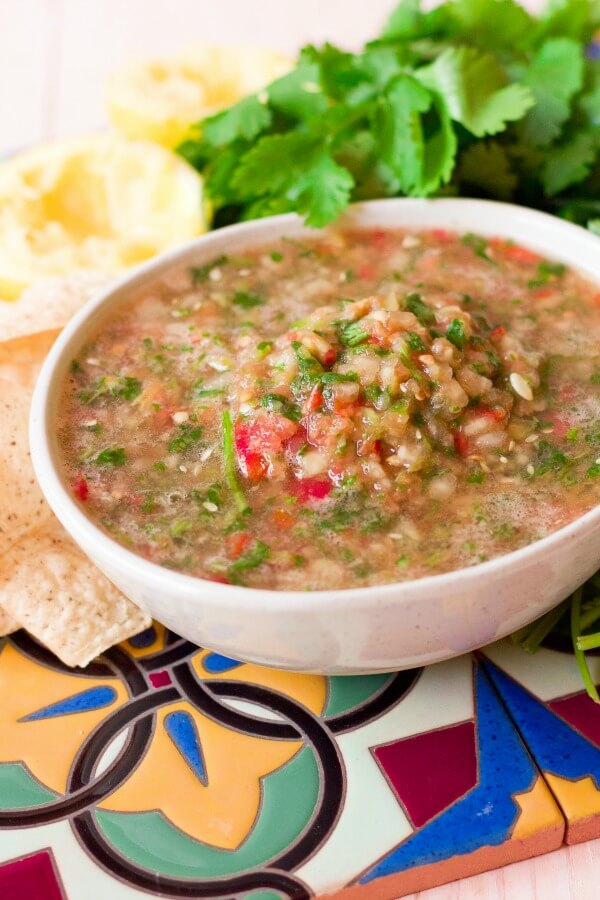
(559,723)
(166,770)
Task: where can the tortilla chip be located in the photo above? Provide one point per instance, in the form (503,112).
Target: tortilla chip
(7,623)
(22,505)
(62,599)
(49,303)
(21,358)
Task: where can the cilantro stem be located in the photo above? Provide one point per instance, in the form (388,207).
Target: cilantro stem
(579,654)
(588,641)
(534,635)
(229,463)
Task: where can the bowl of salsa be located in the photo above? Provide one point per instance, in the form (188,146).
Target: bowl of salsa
(358,449)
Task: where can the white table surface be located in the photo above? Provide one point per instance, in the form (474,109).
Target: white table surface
(54,59)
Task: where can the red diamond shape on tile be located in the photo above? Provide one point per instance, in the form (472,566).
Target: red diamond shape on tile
(31,878)
(430,771)
(160,679)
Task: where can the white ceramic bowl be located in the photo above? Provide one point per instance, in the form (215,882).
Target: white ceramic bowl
(371,629)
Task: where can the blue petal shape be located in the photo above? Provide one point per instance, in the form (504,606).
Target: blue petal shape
(557,748)
(181,728)
(144,639)
(92,698)
(215,663)
(486,814)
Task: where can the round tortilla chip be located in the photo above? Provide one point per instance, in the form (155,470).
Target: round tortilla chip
(22,505)
(21,358)
(66,603)
(49,303)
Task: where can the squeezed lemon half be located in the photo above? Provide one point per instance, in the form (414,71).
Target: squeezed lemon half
(99,202)
(159,100)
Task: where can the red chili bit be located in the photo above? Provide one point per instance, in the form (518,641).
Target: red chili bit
(81,488)
(497,332)
(218,579)
(461,443)
(378,239)
(543,293)
(496,413)
(315,400)
(310,489)
(236,543)
(441,234)
(330,357)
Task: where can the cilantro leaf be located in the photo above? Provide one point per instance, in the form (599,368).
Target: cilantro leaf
(298,95)
(245,119)
(487,166)
(325,190)
(554,76)
(570,162)
(273,164)
(400,132)
(440,150)
(474,89)
(505,26)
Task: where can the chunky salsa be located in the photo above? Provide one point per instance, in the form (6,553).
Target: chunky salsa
(354,409)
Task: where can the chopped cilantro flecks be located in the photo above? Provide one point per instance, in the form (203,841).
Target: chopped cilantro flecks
(276,256)
(475,477)
(246,299)
(250,560)
(351,334)
(201,273)
(111,456)
(415,342)
(478,245)
(280,404)
(456,333)
(264,348)
(545,272)
(548,459)
(188,435)
(119,387)
(420,310)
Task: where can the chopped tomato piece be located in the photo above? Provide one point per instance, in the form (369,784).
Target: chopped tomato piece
(379,239)
(315,400)
(497,332)
(366,271)
(496,413)
(255,439)
(323,431)
(217,578)
(81,488)
(461,443)
(237,543)
(513,251)
(442,234)
(543,293)
(311,489)
(330,357)
(283,519)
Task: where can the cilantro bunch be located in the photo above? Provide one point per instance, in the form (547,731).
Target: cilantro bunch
(476,97)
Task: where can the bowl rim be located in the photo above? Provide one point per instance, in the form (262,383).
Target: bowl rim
(75,521)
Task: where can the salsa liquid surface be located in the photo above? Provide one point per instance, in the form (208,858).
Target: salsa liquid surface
(361,408)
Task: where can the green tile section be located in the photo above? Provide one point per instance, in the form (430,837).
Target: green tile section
(289,798)
(347,691)
(19,789)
